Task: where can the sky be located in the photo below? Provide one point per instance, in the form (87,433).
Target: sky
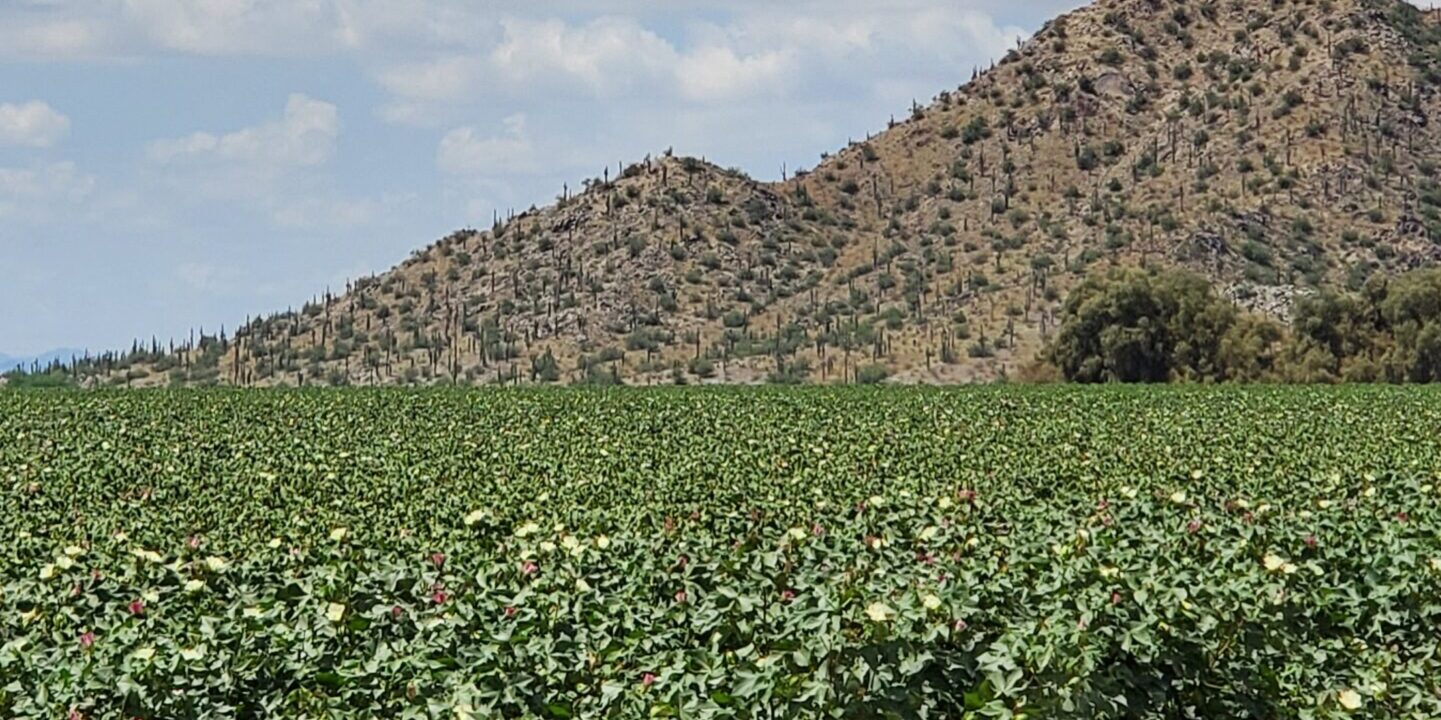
(169,165)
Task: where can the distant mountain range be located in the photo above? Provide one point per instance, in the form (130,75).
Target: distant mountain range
(10,362)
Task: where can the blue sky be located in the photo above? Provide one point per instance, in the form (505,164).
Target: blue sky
(173,164)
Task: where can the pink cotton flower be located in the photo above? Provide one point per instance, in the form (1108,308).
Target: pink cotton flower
(137,608)
(529,568)
(396,612)
(87,640)
(438,560)
(787,596)
(510,612)
(680,597)
(1193,527)
(439,597)
(1311,541)
(647,680)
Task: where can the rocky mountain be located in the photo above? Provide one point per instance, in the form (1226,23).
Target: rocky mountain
(1275,147)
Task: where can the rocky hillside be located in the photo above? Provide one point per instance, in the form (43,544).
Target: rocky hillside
(1273,146)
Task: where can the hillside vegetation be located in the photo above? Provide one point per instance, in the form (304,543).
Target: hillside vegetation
(1274,148)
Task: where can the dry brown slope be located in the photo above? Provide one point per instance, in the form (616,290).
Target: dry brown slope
(1273,146)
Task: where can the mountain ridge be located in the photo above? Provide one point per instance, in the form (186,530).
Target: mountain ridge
(1273,148)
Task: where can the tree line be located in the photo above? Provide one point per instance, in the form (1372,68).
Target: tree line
(1134,325)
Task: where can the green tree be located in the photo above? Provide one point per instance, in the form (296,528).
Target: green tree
(1131,325)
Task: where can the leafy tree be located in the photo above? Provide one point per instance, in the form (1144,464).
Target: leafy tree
(1131,325)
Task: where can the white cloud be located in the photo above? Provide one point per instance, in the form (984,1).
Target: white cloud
(34,193)
(232,27)
(417,89)
(32,124)
(56,180)
(51,39)
(326,211)
(718,73)
(603,56)
(464,152)
(443,79)
(304,137)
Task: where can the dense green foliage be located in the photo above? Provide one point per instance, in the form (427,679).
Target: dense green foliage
(1038,552)
(1390,332)
(1131,325)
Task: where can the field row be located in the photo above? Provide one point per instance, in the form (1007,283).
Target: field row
(1047,553)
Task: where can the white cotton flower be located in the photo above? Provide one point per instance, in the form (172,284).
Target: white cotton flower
(216,564)
(148,555)
(335,612)
(474,517)
(194,586)
(529,528)
(193,654)
(339,534)
(1349,699)
(602,542)
(74,551)
(47,572)
(797,534)
(879,612)
(64,562)
(931,602)
(144,654)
